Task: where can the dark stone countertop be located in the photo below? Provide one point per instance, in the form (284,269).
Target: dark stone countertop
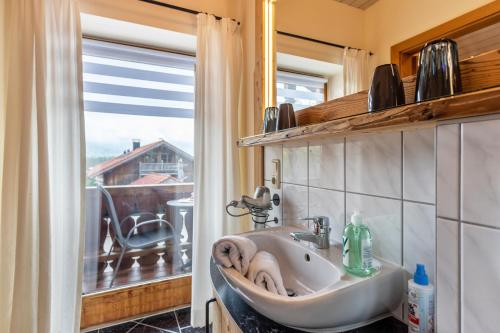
(251,321)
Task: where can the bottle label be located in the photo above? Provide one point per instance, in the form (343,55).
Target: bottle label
(366,253)
(413,312)
(420,312)
(345,250)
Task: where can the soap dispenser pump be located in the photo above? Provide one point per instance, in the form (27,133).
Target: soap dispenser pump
(357,247)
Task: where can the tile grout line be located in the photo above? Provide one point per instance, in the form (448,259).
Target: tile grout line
(476,224)
(158,328)
(369,195)
(436,131)
(373,195)
(307,180)
(177,321)
(345,181)
(130,330)
(402,218)
(460,233)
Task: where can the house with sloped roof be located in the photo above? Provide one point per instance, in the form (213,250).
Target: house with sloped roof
(159,162)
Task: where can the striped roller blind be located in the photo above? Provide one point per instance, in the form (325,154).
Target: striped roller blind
(300,90)
(131,80)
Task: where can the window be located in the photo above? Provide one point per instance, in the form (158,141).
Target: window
(139,128)
(300,90)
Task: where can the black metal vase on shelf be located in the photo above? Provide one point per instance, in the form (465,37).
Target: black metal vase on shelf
(386,90)
(270,119)
(286,117)
(438,72)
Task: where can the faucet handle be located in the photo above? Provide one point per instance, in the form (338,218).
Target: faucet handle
(321,224)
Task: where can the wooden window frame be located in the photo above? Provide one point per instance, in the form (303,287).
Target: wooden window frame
(402,53)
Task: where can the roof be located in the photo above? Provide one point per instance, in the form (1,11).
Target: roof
(153,178)
(109,165)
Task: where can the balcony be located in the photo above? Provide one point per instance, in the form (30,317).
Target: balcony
(166,168)
(133,205)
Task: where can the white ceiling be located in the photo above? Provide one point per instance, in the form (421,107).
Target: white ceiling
(361,4)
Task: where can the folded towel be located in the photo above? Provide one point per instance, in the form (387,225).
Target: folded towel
(234,251)
(265,272)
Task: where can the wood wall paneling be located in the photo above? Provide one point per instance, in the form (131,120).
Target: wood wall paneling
(133,301)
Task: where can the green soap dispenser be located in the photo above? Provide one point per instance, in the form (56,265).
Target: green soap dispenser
(357,247)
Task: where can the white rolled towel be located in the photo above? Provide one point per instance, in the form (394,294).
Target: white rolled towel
(265,272)
(234,251)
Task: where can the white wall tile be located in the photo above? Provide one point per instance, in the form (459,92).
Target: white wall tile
(480,174)
(271,153)
(480,279)
(277,211)
(448,169)
(419,237)
(326,164)
(447,277)
(383,217)
(295,204)
(373,164)
(331,204)
(419,165)
(295,163)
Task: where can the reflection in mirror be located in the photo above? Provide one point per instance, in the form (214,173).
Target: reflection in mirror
(317,57)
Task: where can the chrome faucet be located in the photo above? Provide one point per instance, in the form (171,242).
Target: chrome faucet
(320,235)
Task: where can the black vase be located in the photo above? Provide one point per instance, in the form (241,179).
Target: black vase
(270,119)
(438,73)
(286,117)
(386,90)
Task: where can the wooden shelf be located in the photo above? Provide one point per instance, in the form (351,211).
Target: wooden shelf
(425,114)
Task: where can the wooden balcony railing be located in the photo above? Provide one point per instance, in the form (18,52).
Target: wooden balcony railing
(170,168)
(138,265)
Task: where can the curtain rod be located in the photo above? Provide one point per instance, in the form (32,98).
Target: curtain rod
(181,9)
(315,40)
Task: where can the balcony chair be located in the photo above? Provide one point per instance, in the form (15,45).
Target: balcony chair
(134,240)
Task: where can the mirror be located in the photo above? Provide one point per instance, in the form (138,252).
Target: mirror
(310,42)
(316,42)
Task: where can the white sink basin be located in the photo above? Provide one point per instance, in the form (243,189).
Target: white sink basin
(327,298)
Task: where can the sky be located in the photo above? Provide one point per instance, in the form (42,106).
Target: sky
(110,134)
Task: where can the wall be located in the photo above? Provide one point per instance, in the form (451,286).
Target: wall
(164,18)
(430,196)
(389,22)
(321,19)
(388,177)
(468,226)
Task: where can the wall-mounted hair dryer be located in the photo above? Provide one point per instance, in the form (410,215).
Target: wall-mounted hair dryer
(258,206)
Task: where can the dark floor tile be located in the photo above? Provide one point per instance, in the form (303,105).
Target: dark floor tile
(387,325)
(96,331)
(147,329)
(184,317)
(121,328)
(166,321)
(190,329)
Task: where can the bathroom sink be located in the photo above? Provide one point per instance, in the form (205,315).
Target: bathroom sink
(325,297)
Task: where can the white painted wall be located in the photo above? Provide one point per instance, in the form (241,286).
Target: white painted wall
(322,19)
(377,28)
(389,22)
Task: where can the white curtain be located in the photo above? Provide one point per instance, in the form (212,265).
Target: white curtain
(42,177)
(357,70)
(217,177)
